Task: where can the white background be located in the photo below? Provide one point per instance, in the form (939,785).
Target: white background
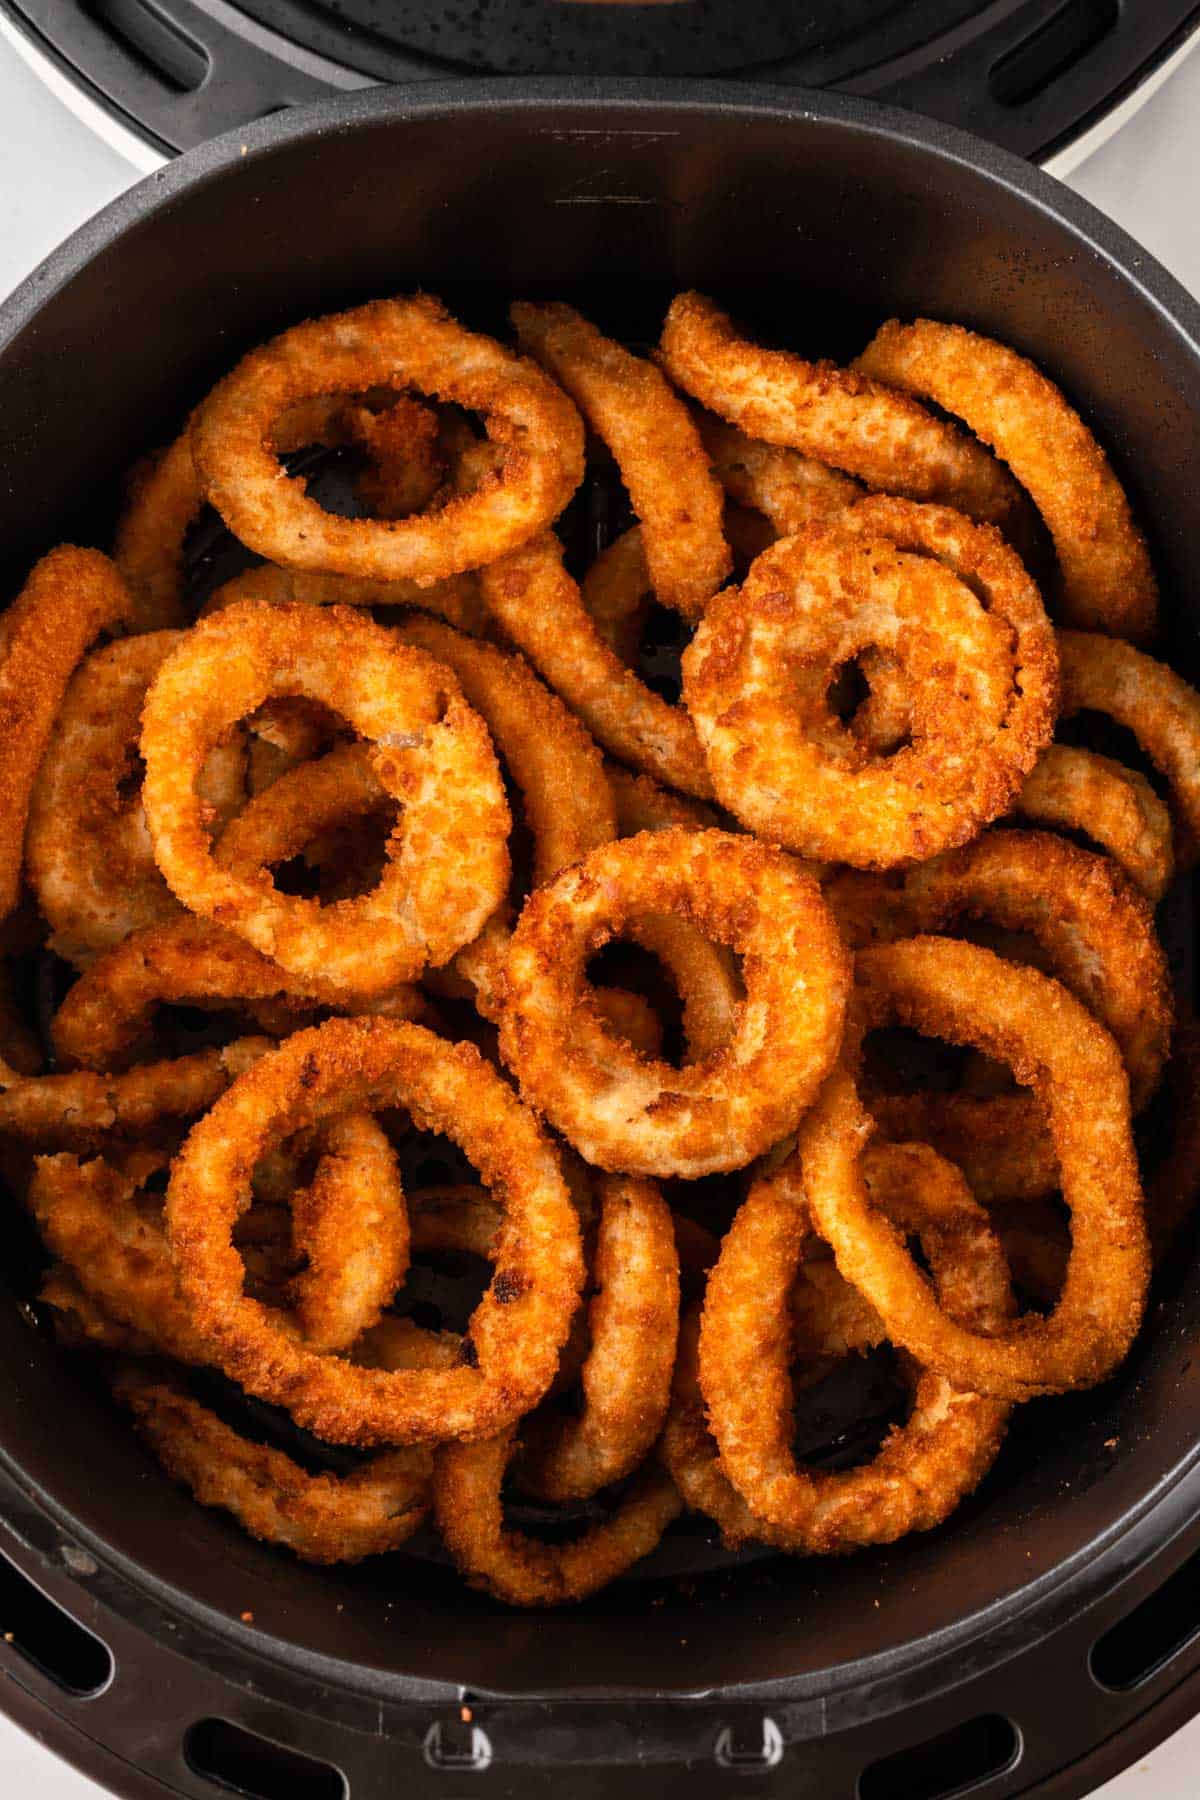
(54,172)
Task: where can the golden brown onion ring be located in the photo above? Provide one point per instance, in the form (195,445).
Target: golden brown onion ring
(323,1518)
(757,673)
(966,995)
(925,1466)
(520,1325)
(87,851)
(447,864)
(403,343)
(1107,581)
(538,604)
(351,1226)
(1096,929)
(835,415)
(623,1112)
(1100,674)
(788,489)
(658,451)
(518,1569)
(70,597)
(633,1317)
(1077,790)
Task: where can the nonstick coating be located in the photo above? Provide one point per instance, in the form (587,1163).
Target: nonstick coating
(815,217)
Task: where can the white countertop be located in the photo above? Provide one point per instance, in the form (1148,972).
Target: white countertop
(55,173)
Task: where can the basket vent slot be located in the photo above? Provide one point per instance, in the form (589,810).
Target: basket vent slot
(242,1762)
(154,42)
(1030,67)
(50,1638)
(1157,1629)
(953,1763)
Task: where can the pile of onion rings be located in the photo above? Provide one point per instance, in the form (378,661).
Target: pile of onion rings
(554,936)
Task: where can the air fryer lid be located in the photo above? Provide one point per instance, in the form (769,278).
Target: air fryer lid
(814,222)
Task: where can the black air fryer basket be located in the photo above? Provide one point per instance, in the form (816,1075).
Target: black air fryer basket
(1047,1634)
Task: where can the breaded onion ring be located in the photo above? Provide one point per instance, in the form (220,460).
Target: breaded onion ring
(456,600)
(518,1569)
(82,1108)
(789,490)
(650,432)
(520,1325)
(402,343)
(87,851)
(70,597)
(757,673)
(539,606)
(1107,583)
(966,995)
(105,1018)
(1096,930)
(626,1377)
(447,863)
(623,1112)
(1077,790)
(1100,674)
(351,1226)
(836,415)
(323,1518)
(925,1466)
(88,1214)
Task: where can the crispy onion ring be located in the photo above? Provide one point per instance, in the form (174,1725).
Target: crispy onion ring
(788,489)
(351,1226)
(80,1109)
(1096,929)
(836,415)
(518,1569)
(520,1325)
(650,432)
(810,604)
(1107,583)
(456,600)
(404,342)
(89,1216)
(70,597)
(966,995)
(447,865)
(1077,790)
(87,851)
(626,1376)
(539,606)
(746,1347)
(623,1112)
(1100,674)
(323,1518)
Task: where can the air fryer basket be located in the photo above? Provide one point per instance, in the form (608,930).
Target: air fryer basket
(814,217)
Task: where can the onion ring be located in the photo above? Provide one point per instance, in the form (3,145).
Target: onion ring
(447,866)
(1107,583)
(1100,674)
(1096,929)
(623,1112)
(456,600)
(82,1108)
(87,851)
(790,490)
(626,1377)
(650,432)
(925,1466)
(539,606)
(70,597)
(1077,790)
(519,1569)
(351,1226)
(836,415)
(322,1518)
(404,342)
(812,602)
(521,1323)
(966,995)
